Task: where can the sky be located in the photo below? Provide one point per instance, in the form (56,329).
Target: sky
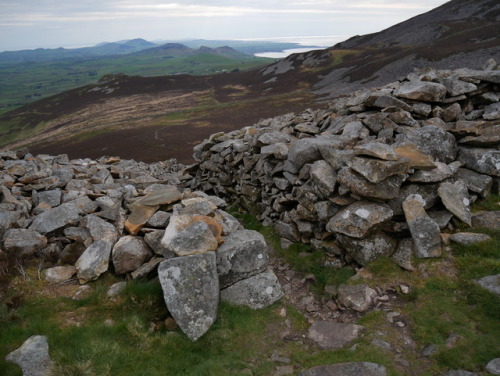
(28,24)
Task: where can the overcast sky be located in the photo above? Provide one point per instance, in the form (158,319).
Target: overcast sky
(75,23)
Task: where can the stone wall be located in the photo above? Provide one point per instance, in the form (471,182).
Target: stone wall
(379,172)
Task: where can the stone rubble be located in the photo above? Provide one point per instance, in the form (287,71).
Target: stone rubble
(88,217)
(378,167)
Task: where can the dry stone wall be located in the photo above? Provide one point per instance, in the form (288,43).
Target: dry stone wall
(378,173)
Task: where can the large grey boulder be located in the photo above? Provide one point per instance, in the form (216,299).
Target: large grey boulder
(100,230)
(56,218)
(191,291)
(242,255)
(347,369)
(129,253)
(304,151)
(455,198)
(256,292)
(94,261)
(359,219)
(424,230)
(332,334)
(23,242)
(33,357)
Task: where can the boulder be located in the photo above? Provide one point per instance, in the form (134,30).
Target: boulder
(195,239)
(377,150)
(129,253)
(487,219)
(100,230)
(484,161)
(33,357)
(359,219)
(357,297)
(491,283)
(59,274)
(53,219)
(167,194)
(347,369)
(378,170)
(421,91)
(324,176)
(404,253)
(438,174)
(256,292)
(333,335)
(191,291)
(493,366)
(139,216)
(369,248)
(94,261)
(424,231)
(242,255)
(455,198)
(385,190)
(23,242)
(416,158)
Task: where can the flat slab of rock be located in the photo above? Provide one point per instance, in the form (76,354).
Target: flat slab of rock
(417,159)
(59,274)
(23,242)
(163,196)
(56,218)
(469,238)
(191,291)
(455,198)
(139,216)
(33,357)
(421,91)
(347,369)
(357,297)
(491,283)
(358,219)
(242,255)
(333,335)
(256,292)
(424,230)
(377,150)
(94,261)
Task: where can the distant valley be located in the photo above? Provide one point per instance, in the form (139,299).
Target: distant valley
(29,75)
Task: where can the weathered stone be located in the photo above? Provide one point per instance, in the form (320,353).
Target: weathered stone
(199,207)
(433,141)
(491,283)
(324,176)
(424,231)
(243,254)
(129,253)
(166,195)
(383,101)
(357,297)
(159,219)
(493,366)
(359,219)
(457,87)
(385,190)
(404,253)
(440,173)
(428,192)
(59,274)
(484,161)
(195,239)
(487,219)
(421,91)
(333,335)
(139,216)
(378,170)
(492,112)
(455,198)
(337,158)
(116,289)
(452,113)
(100,229)
(145,269)
(469,238)
(23,242)
(417,159)
(256,292)
(191,291)
(287,230)
(53,197)
(94,261)
(78,234)
(56,218)
(303,151)
(347,369)
(377,150)
(33,357)
(441,217)
(271,138)
(368,249)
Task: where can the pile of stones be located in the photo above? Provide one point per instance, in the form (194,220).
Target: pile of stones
(380,172)
(88,217)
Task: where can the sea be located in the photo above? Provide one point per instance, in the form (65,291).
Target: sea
(309,42)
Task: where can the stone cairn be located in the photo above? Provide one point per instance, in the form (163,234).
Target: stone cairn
(379,173)
(129,218)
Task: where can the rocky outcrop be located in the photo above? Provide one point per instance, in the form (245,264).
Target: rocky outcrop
(374,170)
(132,219)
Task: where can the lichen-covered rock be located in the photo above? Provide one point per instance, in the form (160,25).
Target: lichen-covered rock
(469,238)
(195,239)
(33,357)
(357,297)
(23,242)
(369,248)
(129,253)
(242,255)
(482,160)
(325,177)
(455,198)
(385,190)
(59,274)
(100,230)
(53,219)
(94,261)
(256,292)
(191,291)
(359,219)
(421,91)
(332,334)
